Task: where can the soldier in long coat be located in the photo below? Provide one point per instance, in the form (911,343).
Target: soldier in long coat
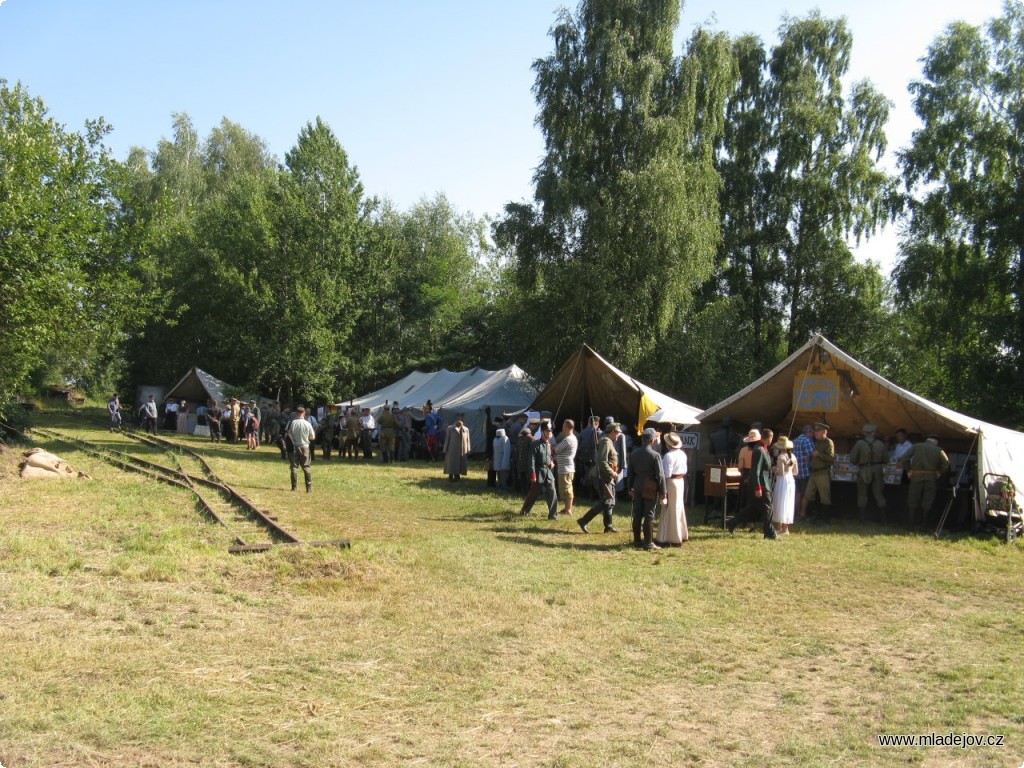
(456,451)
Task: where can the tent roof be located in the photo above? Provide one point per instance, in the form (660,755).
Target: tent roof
(864,396)
(446,389)
(198,386)
(508,388)
(587,383)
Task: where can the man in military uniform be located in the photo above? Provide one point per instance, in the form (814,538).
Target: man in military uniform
(607,461)
(542,475)
(403,438)
(350,437)
(388,425)
(924,463)
(301,433)
(869,454)
(819,485)
(325,434)
(213,411)
(271,425)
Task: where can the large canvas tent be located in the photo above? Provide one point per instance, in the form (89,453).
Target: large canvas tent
(587,384)
(198,386)
(466,395)
(820,382)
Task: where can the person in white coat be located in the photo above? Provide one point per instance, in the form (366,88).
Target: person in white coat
(502,459)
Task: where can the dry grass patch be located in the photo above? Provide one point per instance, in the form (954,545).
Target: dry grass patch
(455,633)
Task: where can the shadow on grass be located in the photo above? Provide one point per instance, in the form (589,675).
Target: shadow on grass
(577,543)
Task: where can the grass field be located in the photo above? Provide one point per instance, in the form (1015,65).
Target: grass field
(455,633)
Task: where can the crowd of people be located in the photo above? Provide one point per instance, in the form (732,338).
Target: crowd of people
(786,480)
(601,463)
(781,480)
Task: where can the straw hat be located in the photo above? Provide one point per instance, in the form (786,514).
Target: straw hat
(672,440)
(753,436)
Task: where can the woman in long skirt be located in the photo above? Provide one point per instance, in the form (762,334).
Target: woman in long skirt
(784,493)
(672,530)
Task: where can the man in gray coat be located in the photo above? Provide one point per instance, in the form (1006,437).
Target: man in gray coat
(647,488)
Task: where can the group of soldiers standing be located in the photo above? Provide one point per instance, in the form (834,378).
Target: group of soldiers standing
(922,465)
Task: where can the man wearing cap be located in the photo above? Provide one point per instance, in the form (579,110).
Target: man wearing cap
(542,477)
(925,463)
(803,447)
(647,487)
(272,424)
(607,460)
(301,433)
(869,454)
(388,432)
(402,437)
(350,441)
(819,486)
(433,426)
(524,446)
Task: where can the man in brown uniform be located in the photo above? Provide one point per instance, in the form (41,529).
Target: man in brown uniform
(388,425)
(869,454)
(819,485)
(924,463)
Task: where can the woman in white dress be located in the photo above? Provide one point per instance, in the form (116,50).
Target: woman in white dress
(784,492)
(672,530)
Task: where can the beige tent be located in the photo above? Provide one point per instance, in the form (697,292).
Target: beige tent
(587,384)
(820,382)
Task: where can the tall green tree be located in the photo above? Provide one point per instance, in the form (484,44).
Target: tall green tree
(322,272)
(960,278)
(427,308)
(67,291)
(800,172)
(201,210)
(624,222)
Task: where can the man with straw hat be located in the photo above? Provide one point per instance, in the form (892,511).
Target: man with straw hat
(759,485)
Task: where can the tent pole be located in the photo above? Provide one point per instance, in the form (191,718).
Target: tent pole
(810,358)
(945,513)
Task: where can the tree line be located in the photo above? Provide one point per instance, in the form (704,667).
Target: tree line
(691,220)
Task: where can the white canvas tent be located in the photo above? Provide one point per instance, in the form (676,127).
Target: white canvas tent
(462,395)
(486,394)
(820,382)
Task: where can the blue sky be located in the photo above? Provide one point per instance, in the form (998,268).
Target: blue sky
(426,97)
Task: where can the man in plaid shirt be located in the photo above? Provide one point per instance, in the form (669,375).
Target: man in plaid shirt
(803,447)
